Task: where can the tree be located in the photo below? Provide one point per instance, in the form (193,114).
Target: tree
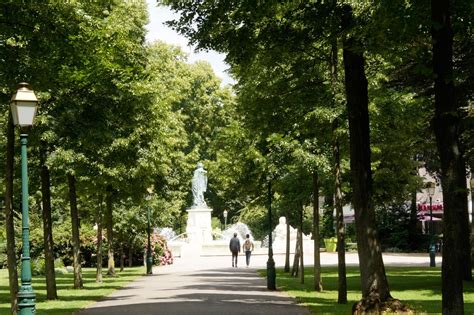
(453,170)
(51,292)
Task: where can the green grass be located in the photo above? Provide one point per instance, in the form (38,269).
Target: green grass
(70,300)
(418,287)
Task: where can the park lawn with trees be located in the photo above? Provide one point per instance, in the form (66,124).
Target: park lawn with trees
(418,287)
(334,100)
(70,300)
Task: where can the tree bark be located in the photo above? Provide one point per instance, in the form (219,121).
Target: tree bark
(301,244)
(51,292)
(446,125)
(122,258)
(76,249)
(472,217)
(374,282)
(287,253)
(98,274)
(318,285)
(110,227)
(130,255)
(9,224)
(413,233)
(341,248)
(296,258)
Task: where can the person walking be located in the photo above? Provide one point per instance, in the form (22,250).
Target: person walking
(247,248)
(234,247)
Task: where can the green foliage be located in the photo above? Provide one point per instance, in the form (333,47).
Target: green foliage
(38,267)
(216,224)
(327,225)
(256,218)
(393,224)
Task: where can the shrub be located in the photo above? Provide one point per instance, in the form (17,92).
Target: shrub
(38,267)
(161,254)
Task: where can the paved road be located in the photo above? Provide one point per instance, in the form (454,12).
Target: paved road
(206,285)
(209,285)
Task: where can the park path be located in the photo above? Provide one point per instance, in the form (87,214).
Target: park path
(209,285)
(199,285)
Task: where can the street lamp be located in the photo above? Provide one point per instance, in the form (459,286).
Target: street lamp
(271,273)
(149,258)
(23,108)
(430,187)
(225,219)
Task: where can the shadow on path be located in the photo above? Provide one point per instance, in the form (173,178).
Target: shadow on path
(221,291)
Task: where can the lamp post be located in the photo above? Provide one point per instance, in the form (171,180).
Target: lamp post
(149,258)
(225,219)
(271,273)
(430,187)
(23,108)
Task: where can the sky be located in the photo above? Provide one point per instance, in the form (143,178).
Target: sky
(158,31)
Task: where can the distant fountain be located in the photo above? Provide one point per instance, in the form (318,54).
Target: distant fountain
(279,238)
(240,228)
(167,233)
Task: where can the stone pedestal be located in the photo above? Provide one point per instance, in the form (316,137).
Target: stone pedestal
(198,227)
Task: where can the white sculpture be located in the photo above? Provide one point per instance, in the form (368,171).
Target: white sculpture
(199,186)
(280,231)
(198,227)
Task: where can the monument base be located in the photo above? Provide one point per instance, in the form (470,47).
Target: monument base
(198,228)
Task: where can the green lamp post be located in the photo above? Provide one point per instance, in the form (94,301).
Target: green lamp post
(271,272)
(430,187)
(23,108)
(149,258)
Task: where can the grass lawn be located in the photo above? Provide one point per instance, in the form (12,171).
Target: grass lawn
(70,300)
(418,287)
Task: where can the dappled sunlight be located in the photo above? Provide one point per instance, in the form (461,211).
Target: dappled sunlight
(418,287)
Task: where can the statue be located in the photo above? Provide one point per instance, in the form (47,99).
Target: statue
(199,186)
(280,232)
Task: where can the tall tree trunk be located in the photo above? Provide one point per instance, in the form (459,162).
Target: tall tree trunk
(318,284)
(374,282)
(296,258)
(130,255)
(51,292)
(413,233)
(472,217)
(75,232)
(338,203)
(9,224)
(301,244)
(110,228)
(446,127)
(341,248)
(122,258)
(287,253)
(328,215)
(98,274)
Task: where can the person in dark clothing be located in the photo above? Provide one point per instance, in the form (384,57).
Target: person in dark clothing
(234,247)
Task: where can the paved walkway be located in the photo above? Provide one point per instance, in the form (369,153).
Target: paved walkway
(208,285)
